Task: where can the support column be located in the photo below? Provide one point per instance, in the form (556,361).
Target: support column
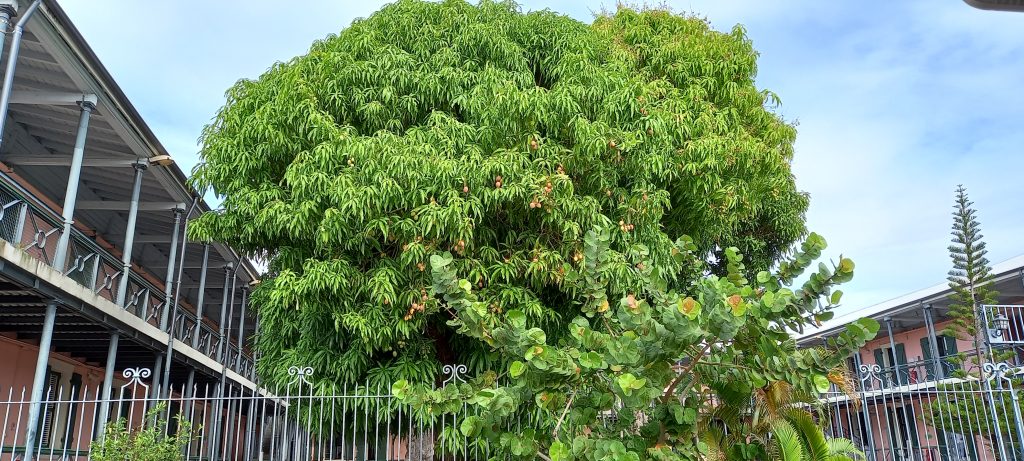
(108,385)
(39,381)
(12,63)
(228,300)
(170,305)
(71,195)
(129,232)
(933,339)
(169,278)
(864,405)
(202,295)
(215,441)
(8,10)
(241,331)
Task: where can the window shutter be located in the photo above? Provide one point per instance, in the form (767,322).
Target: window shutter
(49,408)
(929,362)
(902,372)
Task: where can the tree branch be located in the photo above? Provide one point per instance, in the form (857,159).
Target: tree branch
(562,418)
(686,371)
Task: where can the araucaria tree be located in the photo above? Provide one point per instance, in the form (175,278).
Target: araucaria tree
(501,137)
(971,281)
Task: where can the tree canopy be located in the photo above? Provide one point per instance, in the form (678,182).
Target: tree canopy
(500,137)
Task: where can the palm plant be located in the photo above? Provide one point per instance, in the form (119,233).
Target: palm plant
(775,422)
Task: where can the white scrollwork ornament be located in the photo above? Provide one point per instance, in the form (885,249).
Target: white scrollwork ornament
(454,374)
(997,371)
(300,374)
(135,377)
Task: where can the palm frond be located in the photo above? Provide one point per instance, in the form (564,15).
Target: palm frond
(787,440)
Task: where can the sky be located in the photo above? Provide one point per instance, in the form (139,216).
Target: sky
(897,102)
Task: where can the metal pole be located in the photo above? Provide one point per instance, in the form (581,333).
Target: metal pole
(1019,429)
(219,410)
(169,310)
(71,196)
(169,279)
(241,332)
(12,63)
(108,385)
(228,276)
(929,322)
(864,406)
(39,381)
(202,294)
(129,232)
(892,349)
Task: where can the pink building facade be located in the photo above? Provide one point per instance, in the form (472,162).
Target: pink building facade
(97,276)
(921,392)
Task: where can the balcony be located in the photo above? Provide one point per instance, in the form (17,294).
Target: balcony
(27,222)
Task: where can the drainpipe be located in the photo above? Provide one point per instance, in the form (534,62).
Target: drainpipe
(12,62)
(71,196)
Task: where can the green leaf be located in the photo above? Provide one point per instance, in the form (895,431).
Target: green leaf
(516,318)
(471,426)
(689,307)
(516,369)
(836,296)
(559,451)
(821,383)
(592,360)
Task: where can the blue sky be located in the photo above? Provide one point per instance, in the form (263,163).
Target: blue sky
(897,103)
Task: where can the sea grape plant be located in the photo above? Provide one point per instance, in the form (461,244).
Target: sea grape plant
(649,371)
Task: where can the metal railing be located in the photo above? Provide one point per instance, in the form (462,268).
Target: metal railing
(1004,324)
(32,226)
(972,418)
(917,372)
(297,422)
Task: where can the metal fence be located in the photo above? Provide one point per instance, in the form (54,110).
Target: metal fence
(973,418)
(291,424)
(976,418)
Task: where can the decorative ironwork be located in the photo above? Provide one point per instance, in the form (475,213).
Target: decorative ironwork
(135,377)
(300,374)
(3,209)
(454,373)
(79,263)
(1000,371)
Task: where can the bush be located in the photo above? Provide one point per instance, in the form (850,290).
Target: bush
(151,443)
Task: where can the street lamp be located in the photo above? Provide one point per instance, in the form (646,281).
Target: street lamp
(997,5)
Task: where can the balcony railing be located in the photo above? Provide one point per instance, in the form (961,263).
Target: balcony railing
(30,225)
(918,372)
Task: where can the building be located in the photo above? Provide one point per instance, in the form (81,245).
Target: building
(97,277)
(909,371)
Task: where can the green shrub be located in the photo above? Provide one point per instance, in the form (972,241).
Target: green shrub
(150,443)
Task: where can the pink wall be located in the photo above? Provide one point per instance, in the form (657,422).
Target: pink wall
(17,367)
